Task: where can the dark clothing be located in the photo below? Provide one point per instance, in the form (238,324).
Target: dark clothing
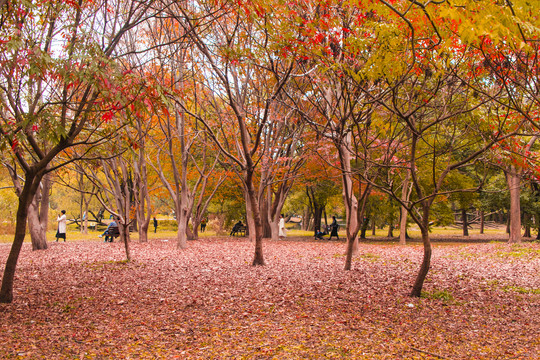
(236,227)
(203,225)
(334,229)
(155,225)
(319,234)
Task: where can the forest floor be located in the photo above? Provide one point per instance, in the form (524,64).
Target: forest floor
(82,300)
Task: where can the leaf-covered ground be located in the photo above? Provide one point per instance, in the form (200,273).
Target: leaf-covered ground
(80,300)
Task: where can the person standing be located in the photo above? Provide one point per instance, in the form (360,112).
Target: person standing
(155,225)
(334,228)
(203,224)
(282,231)
(62,225)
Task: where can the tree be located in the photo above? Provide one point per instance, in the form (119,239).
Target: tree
(247,72)
(185,159)
(49,94)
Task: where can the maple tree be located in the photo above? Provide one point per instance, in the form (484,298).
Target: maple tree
(59,86)
(243,67)
(185,160)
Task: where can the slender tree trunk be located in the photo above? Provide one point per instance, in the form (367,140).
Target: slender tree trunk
(364,228)
(391,231)
(513,179)
(306,219)
(193,234)
(465,222)
(265,217)
(527,225)
(256,231)
(182,215)
(84,219)
(424,268)
(404,213)
(250,222)
(537,223)
(124,237)
(482,221)
(426,261)
(25,196)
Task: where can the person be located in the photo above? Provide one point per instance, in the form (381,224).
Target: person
(203,224)
(334,226)
(155,225)
(282,231)
(236,227)
(106,232)
(62,225)
(319,234)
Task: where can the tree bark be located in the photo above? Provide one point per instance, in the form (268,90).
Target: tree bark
(513,179)
(482,221)
(391,231)
(27,193)
(527,225)
(426,261)
(405,191)
(465,222)
(258,258)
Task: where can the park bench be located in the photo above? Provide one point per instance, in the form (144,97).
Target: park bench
(112,233)
(239,230)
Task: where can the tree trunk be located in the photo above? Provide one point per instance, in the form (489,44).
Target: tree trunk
(256,230)
(537,223)
(513,179)
(275,230)
(306,219)
(465,222)
(426,261)
(404,213)
(527,225)
(124,236)
(25,196)
(35,227)
(364,228)
(38,216)
(265,217)
(390,231)
(250,223)
(192,233)
(424,268)
(482,221)
(82,208)
(354,206)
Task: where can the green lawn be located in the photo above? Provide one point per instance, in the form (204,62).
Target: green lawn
(74,235)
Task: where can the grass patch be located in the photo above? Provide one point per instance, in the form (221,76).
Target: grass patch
(519,251)
(369,256)
(522,290)
(100,265)
(443,295)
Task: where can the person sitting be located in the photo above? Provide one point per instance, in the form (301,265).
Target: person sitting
(319,234)
(237,227)
(108,234)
